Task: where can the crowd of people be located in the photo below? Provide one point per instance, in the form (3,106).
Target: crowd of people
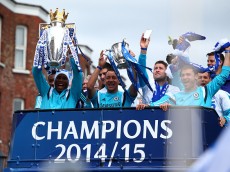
(189,84)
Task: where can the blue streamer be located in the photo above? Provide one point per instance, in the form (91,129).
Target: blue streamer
(141,74)
(117,74)
(136,65)
(131,76)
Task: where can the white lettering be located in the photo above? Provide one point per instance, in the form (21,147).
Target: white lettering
(130,129)
(137,131)
(71,130)
(148,126)
(85,129)
(51,130)
(34,130)
(69,153)
(118,129)
(167,129)
(105,130)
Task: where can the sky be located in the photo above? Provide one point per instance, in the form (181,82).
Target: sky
(101,23)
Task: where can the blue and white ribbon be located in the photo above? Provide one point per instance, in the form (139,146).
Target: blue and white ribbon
(160,91)
(221,45)
(42,52)
(67,41)
(41,55)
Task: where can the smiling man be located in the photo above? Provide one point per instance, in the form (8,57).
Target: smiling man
(112,97)
(60,96)
(159,75)
(193,94)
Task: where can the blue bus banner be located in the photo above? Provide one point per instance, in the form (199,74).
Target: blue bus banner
(111,139)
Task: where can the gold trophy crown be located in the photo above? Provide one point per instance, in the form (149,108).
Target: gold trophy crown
(58,16)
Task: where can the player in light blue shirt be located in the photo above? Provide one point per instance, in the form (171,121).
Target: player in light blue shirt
(110,96)
(192,94)
(60,96)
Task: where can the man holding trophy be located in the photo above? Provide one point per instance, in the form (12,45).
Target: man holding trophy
(110,96)
(55,42)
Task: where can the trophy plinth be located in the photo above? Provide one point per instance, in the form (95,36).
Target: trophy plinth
(118,56)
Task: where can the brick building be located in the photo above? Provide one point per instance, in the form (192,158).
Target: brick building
(19,25)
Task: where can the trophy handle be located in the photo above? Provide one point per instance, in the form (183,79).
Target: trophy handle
(42,27)
(72,28)
(71,25)
(105,52)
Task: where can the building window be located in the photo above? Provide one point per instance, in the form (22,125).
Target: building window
(18,104)
(20,48)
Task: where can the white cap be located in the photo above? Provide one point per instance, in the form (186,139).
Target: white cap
(62,71)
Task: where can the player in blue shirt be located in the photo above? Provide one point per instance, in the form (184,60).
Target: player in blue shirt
(59,96)
(192,94)
(111,96)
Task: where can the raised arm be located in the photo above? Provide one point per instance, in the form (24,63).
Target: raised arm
(227,57)
(94,77)
(220,79)
(76,86)
(40,81)
(144,43)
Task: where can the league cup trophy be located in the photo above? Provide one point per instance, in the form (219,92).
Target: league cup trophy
(118,55)
(55,39)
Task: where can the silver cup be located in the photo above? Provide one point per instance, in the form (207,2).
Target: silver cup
(56,32)
(55,43)
(118,56)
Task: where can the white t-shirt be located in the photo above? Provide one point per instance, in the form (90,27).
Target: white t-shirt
(221,102)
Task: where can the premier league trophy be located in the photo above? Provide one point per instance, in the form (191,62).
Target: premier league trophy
(118,55)
(55,39)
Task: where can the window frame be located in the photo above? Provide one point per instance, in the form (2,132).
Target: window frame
(21,47)
(16,100)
